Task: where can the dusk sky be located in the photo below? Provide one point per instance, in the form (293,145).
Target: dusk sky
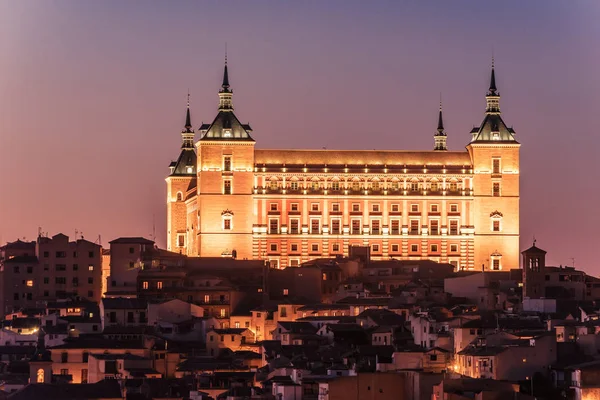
(93,94)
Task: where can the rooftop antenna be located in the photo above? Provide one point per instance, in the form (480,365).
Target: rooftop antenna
(572,261)
(534,241)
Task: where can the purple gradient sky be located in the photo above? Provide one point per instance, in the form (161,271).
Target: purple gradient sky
(92,97)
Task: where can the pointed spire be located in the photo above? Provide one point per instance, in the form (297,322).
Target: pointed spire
(440,136)
(493,88)
(440,127)
(225,93)
(188,118)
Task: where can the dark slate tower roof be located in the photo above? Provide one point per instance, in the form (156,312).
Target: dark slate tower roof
(493,128)
(186,162)
(226,126)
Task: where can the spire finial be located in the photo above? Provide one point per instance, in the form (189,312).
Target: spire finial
(225,84)
(440,127)
(188,118)
(493,88)
(440,136)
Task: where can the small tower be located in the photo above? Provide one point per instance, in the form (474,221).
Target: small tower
(181,182)
(40,364)
(440,137)
(534,272)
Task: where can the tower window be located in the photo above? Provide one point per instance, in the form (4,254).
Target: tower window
(179,196)
(496,225)
(496,264)
(496,166)
(227,186)
(227,224)
(181,240)
(227,163)
(496,189)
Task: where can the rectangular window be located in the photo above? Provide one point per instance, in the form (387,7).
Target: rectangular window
(496,166)
(227,224)
(335,248)
(335,207)
(314,207)
(223,313)
(496,225)
(375,207)
(395,207)
(227,186)
(434,248)
(434,227)
(355,186)
(496,264)
(145,285)
(315,225)
(294,226)
(375,229)
(496,189)
(273,247)
(273,226)
(414,248)
(294,247)
(395,248)
(159,285)
(355,207)
(335,226)
(434,208)
(227,163)
(273,206)
(453,208)
(206,298)
(414,226)
(30,283)
(395,226)
(356,227)
(453,227)
(294,262)
(181,240)
(335,186)
(314,248)
(453,248)
(294,186)
(375,248)
(414,208)
(294,207)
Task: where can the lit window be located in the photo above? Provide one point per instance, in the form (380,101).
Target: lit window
(90,267)
(223,313)
(30,283)
(206,298)
(159,285)
(285,292)
(496,189)
(237,325)
(40,375)
(496,166)
(324,276)
(144,285)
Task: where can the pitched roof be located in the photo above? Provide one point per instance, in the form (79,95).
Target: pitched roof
(493,123)
(131,240)
(226,126)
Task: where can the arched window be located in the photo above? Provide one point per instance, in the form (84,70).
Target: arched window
(375,185)
(179,196)
(355,185)
(453,185)
(434,185)
(273,184)
(314,184)
(414,185)
(40,375)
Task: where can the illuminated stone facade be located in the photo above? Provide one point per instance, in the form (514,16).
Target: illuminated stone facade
(227,198)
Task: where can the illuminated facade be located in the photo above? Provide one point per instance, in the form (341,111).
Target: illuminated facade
(227,198)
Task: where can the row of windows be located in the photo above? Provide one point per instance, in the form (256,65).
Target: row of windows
(63,254)
(58,267)
(356,185)
(356,207)
(375,248)
(46,293)
(356,226)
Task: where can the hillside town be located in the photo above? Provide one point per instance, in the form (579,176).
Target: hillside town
(133,321)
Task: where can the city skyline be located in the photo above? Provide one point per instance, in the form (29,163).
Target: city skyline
(136,108)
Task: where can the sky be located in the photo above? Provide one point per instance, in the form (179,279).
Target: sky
(93,95)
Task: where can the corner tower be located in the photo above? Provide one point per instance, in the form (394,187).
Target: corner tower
(494,154)
(225,182)
(181,185)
